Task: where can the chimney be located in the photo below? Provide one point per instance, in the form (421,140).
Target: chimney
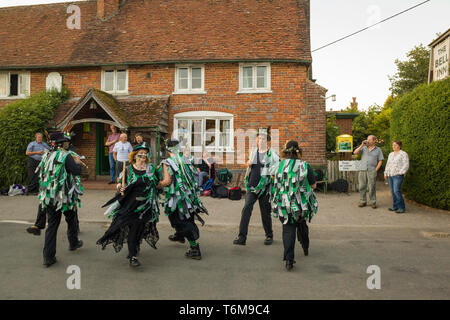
(107,8)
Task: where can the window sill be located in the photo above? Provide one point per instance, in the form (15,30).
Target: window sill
(215,150)
(253,91)
(189,92)
(13,97)
(115,93)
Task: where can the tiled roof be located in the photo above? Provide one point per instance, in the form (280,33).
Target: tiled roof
(155,31)
(147,112)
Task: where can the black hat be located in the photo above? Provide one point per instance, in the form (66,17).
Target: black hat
(172,145)
(292,147)
(143,145)
(59,137)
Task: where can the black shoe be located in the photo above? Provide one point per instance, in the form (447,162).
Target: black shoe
(392,209)
(134,262)
(111,182)
(34,230)
(49,261)
(175,238)
(239,241)
(268,241)
(194,253)
(305,251)
(289,265)
(75,247)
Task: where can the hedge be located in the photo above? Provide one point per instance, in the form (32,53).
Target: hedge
(421,120)
(19,122)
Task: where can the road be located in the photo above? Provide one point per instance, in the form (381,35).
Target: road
(411,250)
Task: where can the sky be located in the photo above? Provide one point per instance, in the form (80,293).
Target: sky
(359,66)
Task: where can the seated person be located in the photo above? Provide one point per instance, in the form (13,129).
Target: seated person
(203,168)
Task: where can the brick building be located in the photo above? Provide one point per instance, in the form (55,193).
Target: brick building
(204,70)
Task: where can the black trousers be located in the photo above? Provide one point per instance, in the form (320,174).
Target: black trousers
(54,219)
(184,228)
(41,218)
(135,232)
(33,178)
(290,230)
(264,206)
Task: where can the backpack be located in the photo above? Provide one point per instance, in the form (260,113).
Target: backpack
(235,193)
(219,191)
(208,184)
(224,175)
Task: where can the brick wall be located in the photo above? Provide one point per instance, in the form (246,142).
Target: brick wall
(294,108)
(345,125)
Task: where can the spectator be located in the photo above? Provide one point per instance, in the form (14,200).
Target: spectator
(35,150)
(203,168)
(113,138)
(396,167)
(138,139)
(371,160)
(120,153)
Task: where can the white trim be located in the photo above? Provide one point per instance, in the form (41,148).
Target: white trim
(203,116)
(189,90)
(114,91)
(19,88)
(254,89)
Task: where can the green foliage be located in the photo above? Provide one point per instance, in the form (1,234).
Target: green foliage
(362,124)
(420,120)
(411,72)
(19,122)
(332,132)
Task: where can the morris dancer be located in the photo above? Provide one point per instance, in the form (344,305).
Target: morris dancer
(182,202)
(134,210)
(258,184)
(60,188)
(293,199)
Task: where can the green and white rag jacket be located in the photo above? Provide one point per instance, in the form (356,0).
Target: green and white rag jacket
(271,161)
(292,198)
(140,195)
(57,187)
(182,196)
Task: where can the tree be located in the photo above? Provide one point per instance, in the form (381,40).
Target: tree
(332,132)
(411,72)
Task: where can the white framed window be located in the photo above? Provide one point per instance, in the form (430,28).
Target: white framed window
(14,84)
(115,80)
(254,78)
(189,79)
(209,129)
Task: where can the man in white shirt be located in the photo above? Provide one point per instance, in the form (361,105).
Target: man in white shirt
(120,153)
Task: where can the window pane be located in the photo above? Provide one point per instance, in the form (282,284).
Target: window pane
(196,133)
(183,78)
(247,77)
(13,84)
(183,132)
(109,80)
(210,139)
(196,73)
(261,77)
(3,83)
(225,133)
(196,83)
(24,83)
(121,80)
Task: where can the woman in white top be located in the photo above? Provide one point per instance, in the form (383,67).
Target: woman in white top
(396,167)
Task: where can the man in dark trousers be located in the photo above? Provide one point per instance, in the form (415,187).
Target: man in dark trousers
(60,172)
(258,183)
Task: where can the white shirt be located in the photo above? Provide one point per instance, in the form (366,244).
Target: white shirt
(122,150)
(397,164)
